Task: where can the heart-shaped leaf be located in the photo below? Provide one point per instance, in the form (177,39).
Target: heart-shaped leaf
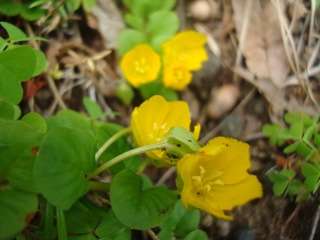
(139,208)
(64,157)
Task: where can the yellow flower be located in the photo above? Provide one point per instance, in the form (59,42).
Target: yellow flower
(215,179)
(154,118)
(187,48)
(141,65)
(176,76)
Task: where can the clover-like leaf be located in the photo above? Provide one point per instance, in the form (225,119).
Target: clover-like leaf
(139,208)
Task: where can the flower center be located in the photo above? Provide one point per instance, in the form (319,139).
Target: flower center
(141,66)
(178,74)
(205,182)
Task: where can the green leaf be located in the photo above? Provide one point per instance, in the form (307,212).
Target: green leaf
(163,23)
(294,187)
(137,208)
(317,139)
(271,131)
(158,40)
(36,121)
(87,219)
(7,110)
(279,188)
(125,93)
(121,145)
(157,88)
(32,14)
(111,229)
(144,8)
(276,177)
(73,5)
(93,108)
(15,207)
(10,8)
(17,64)
(289,173)
(64,158)
(18,147)
(88,5)
(296,130)
(81,219)
(3,44)
(309,170)
(128,39)
(291,148)
(135,22)
(15,34)
(197,234)
(41,64)
(70,119)
(312,183)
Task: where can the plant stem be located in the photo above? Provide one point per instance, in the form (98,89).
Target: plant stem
(61,225)
(110,141)
(126,155)
(99,186)
(48,222)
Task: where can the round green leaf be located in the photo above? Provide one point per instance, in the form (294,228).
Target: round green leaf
(163,23)
(17,64)
(6,110)
(36,121)
(196,235)
(64,157)
(139,208)
(15,206)
(130,38)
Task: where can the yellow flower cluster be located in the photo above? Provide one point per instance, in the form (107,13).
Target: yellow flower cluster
(215,178)
(182,54)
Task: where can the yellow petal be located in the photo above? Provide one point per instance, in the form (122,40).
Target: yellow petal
(176,76)
(186,47)
(229,156)
(154,118)
(228,196)
(140,65)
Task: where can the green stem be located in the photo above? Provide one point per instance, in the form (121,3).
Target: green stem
(48,222)
(61,225)
(126,155)
(110,141)
(99,186)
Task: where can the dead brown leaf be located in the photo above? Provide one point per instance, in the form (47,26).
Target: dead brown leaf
(261,43)
(110,22)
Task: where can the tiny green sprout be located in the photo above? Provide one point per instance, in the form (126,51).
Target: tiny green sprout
(180,142)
